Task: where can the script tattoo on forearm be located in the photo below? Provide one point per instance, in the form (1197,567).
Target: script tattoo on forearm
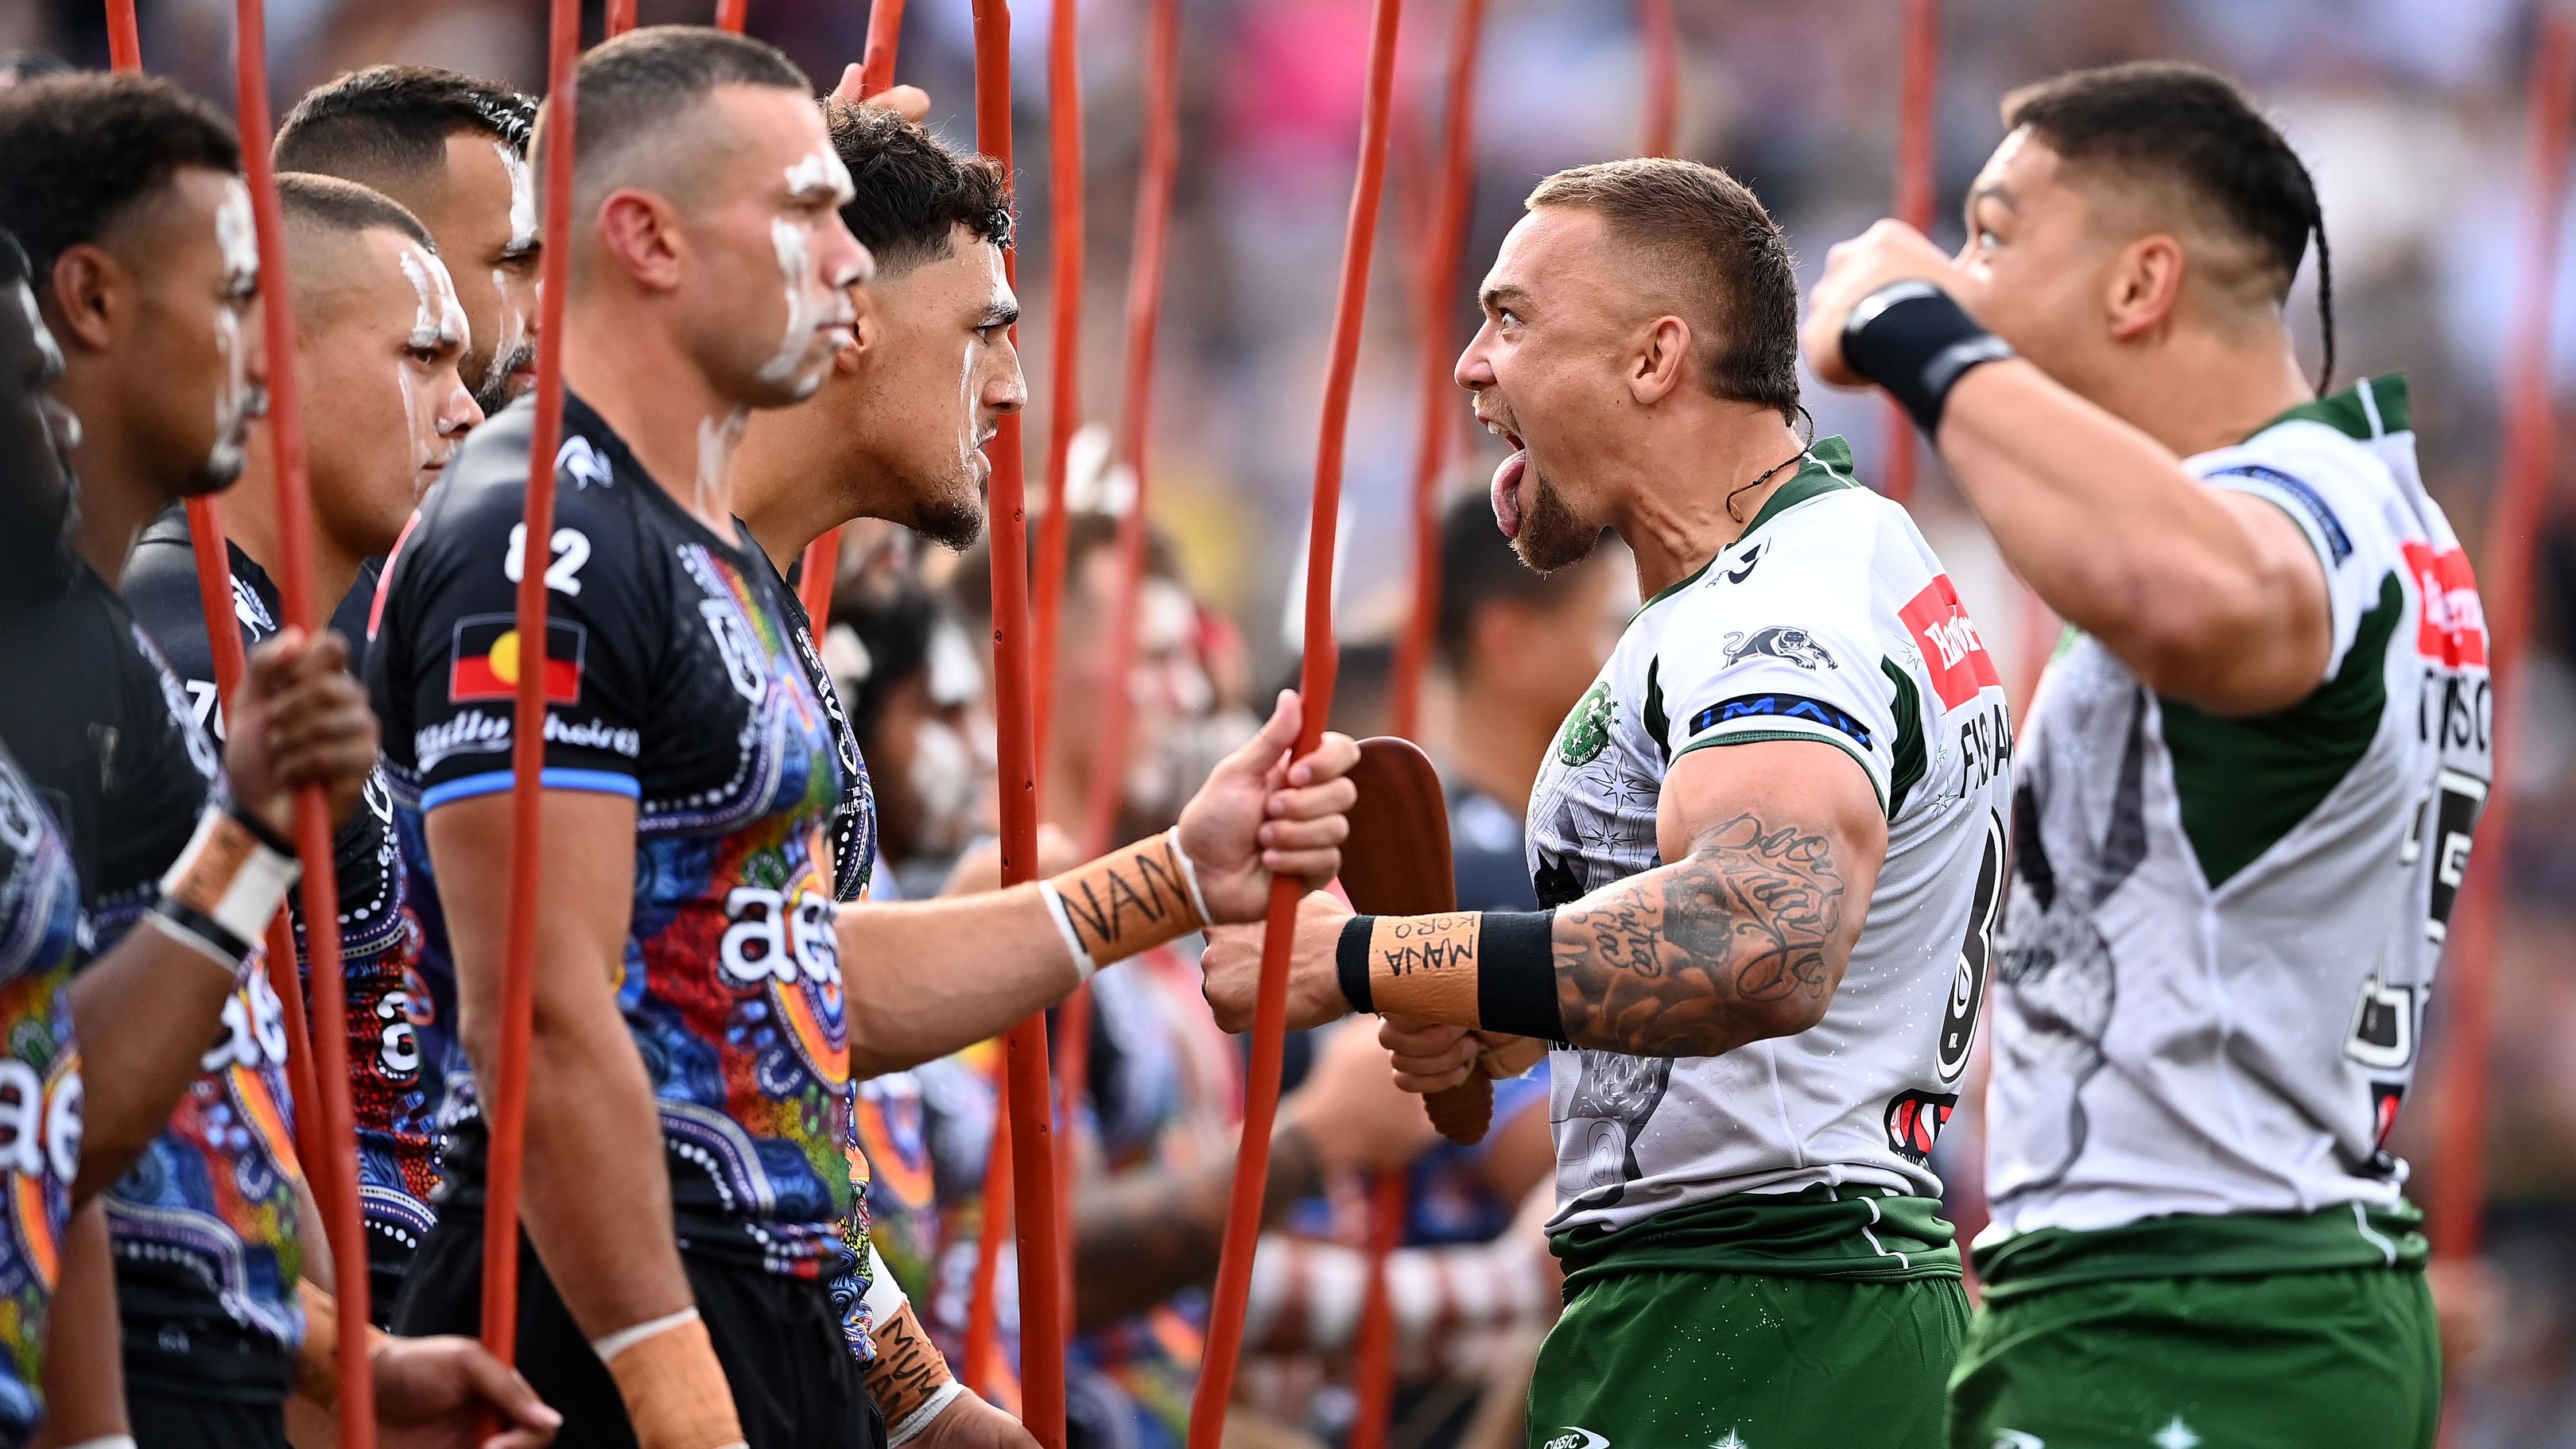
(908,1368)
(1705,954)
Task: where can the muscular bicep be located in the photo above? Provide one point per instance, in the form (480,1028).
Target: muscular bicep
(1772,848)
(2281,652)
(586,873)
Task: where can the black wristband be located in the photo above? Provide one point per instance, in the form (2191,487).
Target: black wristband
(1916,341)
(259,829)
(1351,963)
(1516,975)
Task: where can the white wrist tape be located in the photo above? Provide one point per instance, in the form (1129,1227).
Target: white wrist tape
(885,1297)
(1190,873)
(919,1419)
(1084,968)
(225,887)
(105,1441)
(611,1346)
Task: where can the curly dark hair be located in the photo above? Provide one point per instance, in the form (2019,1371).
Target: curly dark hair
(79,151)
(393,121)
(913,191)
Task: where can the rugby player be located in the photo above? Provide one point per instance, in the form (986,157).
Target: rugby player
(1766,844)
(137,225)
(2247,791)
(701,819)
(452,150)
(379,333)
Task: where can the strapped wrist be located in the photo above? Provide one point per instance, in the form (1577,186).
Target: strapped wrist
(226,885)
(1916,341)
(1490,970)
(1128,901)
(675,1390)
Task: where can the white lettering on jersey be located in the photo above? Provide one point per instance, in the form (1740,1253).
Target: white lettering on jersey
(767,941)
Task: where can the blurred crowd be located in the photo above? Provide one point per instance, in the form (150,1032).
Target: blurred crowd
(2410,113)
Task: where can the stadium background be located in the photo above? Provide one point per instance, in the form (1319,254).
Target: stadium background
(2410,112)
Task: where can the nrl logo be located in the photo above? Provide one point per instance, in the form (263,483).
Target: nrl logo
(1796,646)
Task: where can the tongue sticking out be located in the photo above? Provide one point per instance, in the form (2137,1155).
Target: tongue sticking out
(1507,493)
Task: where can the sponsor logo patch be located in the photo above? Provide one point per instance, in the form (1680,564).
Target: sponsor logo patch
(2451,622)
(1780,707)
(486,657)
(2309,501)
(1954,653)
(1586,731)
(1914,1122)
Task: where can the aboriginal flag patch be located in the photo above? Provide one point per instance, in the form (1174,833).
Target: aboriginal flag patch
(485,664)
(1915,1120)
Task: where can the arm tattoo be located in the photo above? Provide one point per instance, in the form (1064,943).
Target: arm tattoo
(1145,1235)
(1708,953)
(907,1369)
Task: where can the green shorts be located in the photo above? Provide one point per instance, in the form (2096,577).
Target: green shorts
(1695,1360)
(2349,1357)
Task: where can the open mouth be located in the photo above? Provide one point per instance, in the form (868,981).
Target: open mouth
(1507,478)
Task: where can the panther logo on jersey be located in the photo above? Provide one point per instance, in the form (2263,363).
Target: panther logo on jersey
(1782,642)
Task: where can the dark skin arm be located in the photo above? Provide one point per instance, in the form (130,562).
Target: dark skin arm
(147,1010)
(598,1203)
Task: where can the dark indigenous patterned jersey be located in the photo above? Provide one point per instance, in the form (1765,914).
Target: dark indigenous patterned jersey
(204,1224)
(673,678)
(379,935)
(41,937)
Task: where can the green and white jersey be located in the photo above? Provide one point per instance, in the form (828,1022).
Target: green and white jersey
(2223,931)
(1831,621)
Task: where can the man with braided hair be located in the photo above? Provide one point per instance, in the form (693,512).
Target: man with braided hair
(2246,795)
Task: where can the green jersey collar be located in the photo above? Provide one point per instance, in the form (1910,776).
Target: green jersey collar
(1825,467)
(2370,408)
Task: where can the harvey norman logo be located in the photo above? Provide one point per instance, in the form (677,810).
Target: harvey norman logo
(1954,653)
(477,733)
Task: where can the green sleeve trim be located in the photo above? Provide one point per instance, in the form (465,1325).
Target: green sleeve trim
(1723,736)
(1658,724)
(1908,750)
(2245,783)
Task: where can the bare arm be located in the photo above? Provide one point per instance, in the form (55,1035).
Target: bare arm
(84,1352)
(598,1202)
(927,978)
(2209,596)
(1773,849)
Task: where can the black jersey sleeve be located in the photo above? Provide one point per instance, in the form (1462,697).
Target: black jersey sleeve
(445,664)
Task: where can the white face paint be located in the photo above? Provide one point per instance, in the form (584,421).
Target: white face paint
(66,427)
(513,332)
(438,323)
(813,300)
(237,236)
(717,439)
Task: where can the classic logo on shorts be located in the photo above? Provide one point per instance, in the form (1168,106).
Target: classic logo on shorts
(1587,729)
(1578,1439)
(1780,641)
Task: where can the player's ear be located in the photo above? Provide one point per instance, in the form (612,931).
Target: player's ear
(640,232)
(1662,353)
(867,333)
(83,296)
(2144,285)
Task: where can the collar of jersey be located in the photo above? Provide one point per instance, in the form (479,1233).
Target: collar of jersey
(1826,467)
(2373,407)
(580,417)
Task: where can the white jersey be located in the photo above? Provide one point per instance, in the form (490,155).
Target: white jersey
(2222,931)
(1829,620)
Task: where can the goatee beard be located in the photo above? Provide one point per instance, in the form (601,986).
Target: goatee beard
(1550,536)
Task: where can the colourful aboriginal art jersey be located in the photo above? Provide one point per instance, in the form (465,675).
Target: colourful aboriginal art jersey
(673,676)
(1830,621)
(2224,931)
(380,937)
(42,935)
(204,1224)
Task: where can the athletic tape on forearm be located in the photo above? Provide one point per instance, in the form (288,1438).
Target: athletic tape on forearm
(1916,341)
(885,1297)
(221,892)
(1492,970)
(675,1390)
(908,1377)
(105,1441)
(1128,901)
(911,1425)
